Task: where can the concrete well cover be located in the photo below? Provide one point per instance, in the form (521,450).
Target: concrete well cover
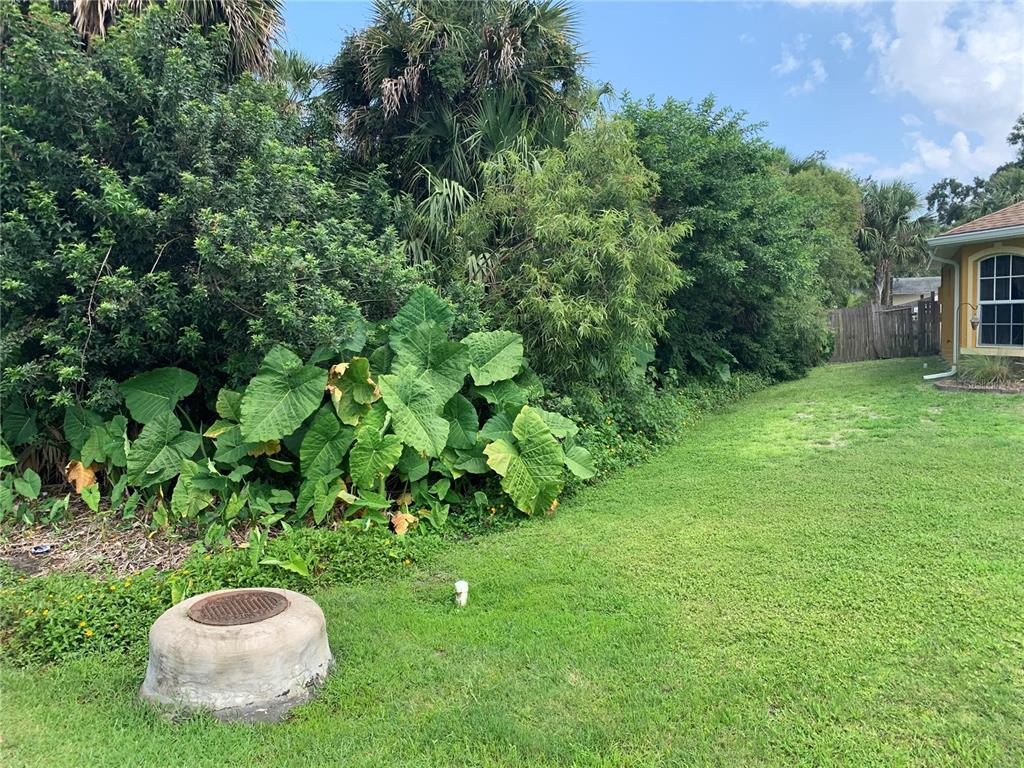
(247,671)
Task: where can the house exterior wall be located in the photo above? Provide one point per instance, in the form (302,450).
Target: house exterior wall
(946,313)
(969,257)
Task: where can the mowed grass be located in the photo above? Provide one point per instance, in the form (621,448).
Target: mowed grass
(830,573)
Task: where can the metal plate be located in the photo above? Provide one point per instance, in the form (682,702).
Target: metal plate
(245,606)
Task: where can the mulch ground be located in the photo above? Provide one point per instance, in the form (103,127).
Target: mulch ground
(964,386)
(91,544)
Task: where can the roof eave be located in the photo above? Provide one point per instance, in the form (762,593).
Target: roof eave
(981,236)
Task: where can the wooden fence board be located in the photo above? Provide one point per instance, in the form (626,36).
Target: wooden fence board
(875,332)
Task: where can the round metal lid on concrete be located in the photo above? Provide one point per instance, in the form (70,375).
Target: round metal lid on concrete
(238,607)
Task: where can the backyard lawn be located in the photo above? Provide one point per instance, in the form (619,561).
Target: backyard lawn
(829,573)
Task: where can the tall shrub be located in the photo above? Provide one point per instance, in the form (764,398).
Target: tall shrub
(754,300)
(575,257)
(160,210)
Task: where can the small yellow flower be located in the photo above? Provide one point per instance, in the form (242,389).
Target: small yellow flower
(46,611)
(79,597)
(407,561)
(117,626)
(81,624)
(88,633)
(113,587)
(127,583)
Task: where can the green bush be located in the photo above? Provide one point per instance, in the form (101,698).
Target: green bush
(399,440)
(770,241)
(990,369)
(159,210)
(577,261)
(60,616)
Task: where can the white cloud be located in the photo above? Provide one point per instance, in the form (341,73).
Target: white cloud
(855,161)
(817,76)
(844,41)
(788,64)
(964,63)
(745,38)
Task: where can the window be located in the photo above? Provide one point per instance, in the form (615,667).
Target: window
(1002,301)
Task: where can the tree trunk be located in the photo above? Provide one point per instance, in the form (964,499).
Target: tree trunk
(881,278)
(887,285)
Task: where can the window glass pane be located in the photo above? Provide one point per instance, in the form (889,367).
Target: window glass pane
(1017,336)
(988,314)
(988,267)
(1003,264)
(1016,289)
(1003,313)
(1002,334)
(1018,265)
(987,289)
(1018,313)
(1002,288)
(988,334)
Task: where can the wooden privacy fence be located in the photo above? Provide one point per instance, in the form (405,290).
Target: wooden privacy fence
(874,332)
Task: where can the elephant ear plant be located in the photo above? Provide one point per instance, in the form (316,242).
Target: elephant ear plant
(397,436)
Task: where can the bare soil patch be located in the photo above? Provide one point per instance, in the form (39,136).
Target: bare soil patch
(88,544)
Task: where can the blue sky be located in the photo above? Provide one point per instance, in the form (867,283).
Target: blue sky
(918,90)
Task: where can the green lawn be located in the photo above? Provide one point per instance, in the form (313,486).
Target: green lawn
(830,573)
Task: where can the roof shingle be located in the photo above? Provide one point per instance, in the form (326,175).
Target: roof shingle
(1010,216)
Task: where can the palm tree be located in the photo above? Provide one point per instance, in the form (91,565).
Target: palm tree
(298,74)
(439,85)
(253,25)
(890,234)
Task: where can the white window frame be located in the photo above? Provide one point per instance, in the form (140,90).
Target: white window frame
(979,259)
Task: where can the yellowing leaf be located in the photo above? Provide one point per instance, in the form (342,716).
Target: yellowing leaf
(268,448)
(400,522)
(82,476)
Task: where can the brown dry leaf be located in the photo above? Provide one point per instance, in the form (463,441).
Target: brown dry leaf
(404,500)
(268,448)
(401,521)
(334,373)
(82,476)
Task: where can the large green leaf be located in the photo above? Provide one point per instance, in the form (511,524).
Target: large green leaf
(19,424)
(281,395)
(78,424)
(498,427)
(107,443)
(415,412)
(462,422)
(352,389)
(412,466)
(423,305)
(230,448)
(531,468)
(580,462)
(559,425)
(158,451)
(504,396)
(441,363)
(6,456)
(189,499)
(229,404)
(372,457)
(29,484)
(324,445)
(495,355)
(156,392)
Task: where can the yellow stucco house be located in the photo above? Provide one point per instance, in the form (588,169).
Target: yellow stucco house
(982,291)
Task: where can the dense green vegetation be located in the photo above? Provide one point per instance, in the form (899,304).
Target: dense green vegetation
(829,573)
(184,210)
